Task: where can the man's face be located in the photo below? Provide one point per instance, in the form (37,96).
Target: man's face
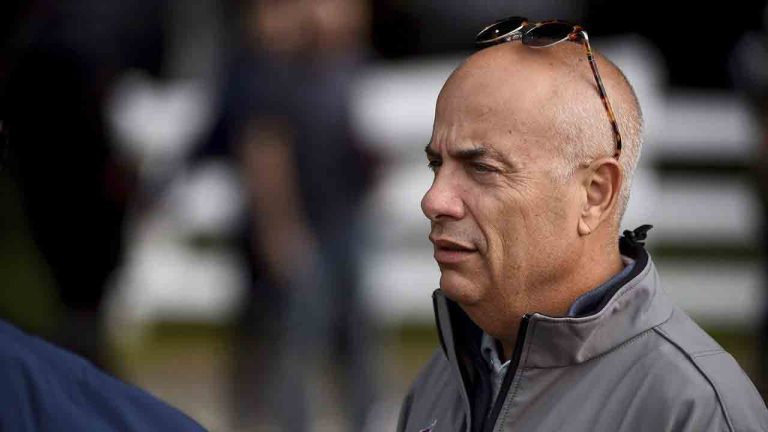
(501,222)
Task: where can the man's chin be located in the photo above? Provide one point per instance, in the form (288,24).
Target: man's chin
(459,289)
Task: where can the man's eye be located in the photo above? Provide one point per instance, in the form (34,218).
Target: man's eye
(433,165)
(482,168)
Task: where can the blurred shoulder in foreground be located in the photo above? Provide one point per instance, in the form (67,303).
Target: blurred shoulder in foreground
(45,388)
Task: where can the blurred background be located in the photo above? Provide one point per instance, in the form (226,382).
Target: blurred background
(219,200)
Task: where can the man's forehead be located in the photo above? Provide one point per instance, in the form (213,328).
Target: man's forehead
(502,134)
(513,77)
(510,66)
(509,99)
(487,96)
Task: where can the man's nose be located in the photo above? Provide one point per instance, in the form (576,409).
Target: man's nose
(442,200)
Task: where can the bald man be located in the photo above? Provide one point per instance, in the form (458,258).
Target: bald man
(546,321)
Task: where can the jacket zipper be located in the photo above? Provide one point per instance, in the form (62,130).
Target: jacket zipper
(490,421)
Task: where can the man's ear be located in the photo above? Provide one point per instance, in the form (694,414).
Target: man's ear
(602,185)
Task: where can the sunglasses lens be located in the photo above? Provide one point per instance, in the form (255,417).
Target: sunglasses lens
(496,32)
(548,34)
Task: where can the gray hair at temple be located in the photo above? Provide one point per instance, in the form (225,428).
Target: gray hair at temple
(588,136)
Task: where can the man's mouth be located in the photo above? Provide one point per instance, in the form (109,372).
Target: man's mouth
(451,252)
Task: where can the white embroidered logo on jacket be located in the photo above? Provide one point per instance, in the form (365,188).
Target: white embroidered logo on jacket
(430,428)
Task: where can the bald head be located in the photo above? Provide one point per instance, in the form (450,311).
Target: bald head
(550,97)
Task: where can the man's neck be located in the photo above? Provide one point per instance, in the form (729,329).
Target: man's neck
(603,270)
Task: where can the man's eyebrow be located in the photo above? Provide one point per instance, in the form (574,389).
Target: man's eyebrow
(473,153)
(479,152)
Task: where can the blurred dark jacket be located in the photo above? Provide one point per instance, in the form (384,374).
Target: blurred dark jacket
(45,388)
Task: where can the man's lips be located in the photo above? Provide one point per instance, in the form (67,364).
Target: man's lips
(451,252)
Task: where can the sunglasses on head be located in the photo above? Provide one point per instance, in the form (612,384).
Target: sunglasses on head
(546,34)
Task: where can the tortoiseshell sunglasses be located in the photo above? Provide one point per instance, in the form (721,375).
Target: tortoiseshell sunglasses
(545,34)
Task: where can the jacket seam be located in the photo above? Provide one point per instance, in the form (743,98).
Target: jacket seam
(707,353)
(692,359)
(522,369)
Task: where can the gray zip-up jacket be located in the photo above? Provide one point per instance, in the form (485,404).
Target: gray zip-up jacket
(636,363)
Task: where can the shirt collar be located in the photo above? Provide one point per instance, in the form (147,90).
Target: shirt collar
(587,302)
(490,351)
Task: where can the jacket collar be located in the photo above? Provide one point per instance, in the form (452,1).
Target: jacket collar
(635,305)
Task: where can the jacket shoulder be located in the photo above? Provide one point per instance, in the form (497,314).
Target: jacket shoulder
(714,370)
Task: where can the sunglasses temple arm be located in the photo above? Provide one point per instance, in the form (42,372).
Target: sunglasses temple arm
(603,93)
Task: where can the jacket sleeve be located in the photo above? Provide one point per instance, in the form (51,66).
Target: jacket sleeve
(741,406)
(719,402)
(700,414)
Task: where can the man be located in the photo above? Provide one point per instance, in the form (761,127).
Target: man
(285,123)
(546,322)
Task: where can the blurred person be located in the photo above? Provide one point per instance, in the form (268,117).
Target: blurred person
(546,321)
(285,119)
(55,76)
